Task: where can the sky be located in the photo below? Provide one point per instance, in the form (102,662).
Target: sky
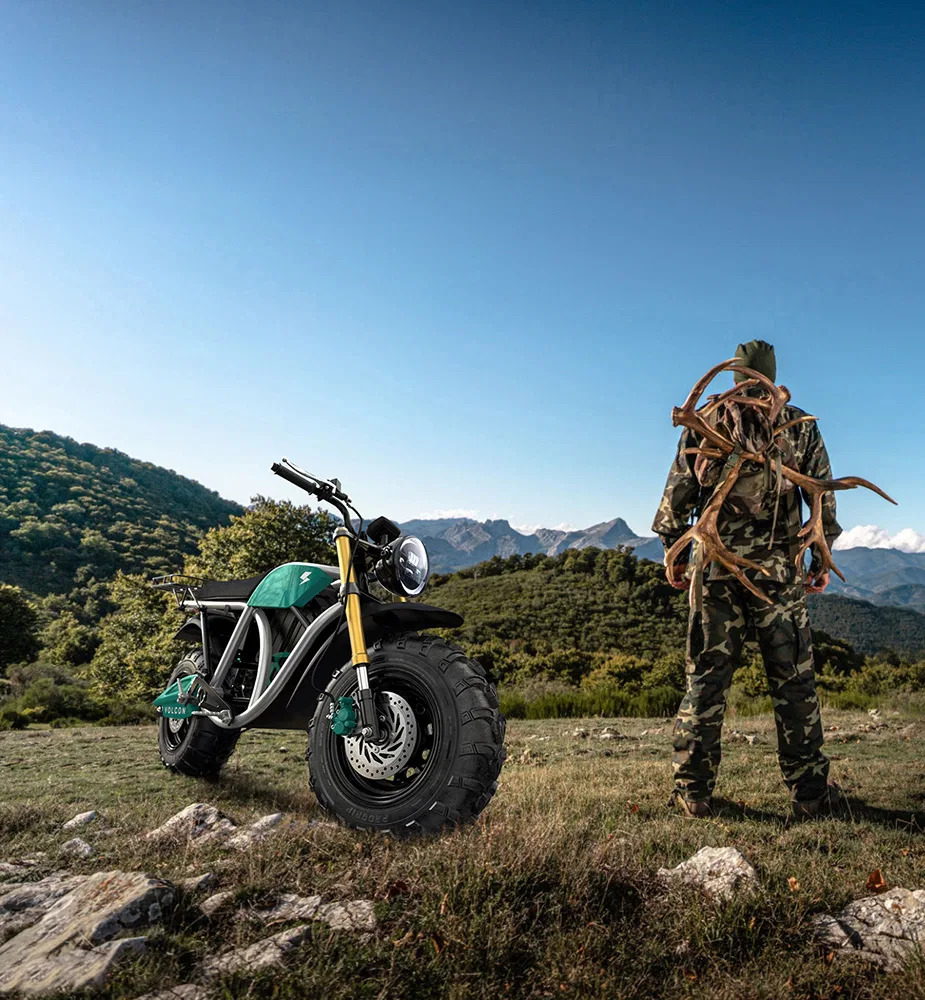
(464,257)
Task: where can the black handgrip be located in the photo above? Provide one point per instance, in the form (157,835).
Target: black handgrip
(294,478)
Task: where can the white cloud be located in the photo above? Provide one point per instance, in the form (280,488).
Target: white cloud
(872,537)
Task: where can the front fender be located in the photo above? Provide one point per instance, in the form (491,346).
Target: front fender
(295,705)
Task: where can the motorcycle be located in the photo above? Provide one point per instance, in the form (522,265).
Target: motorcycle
(404,730)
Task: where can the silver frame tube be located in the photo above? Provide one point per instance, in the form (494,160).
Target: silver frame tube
(260,698)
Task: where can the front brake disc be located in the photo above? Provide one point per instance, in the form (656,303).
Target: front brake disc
(386,759)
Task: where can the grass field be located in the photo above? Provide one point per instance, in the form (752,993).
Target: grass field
(552,893)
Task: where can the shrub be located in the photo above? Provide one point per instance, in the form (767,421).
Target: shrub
(11,718)
(603,700)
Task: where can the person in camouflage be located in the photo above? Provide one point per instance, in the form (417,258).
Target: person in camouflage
(760,521)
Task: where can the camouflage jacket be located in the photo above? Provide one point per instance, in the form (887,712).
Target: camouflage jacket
(750,534)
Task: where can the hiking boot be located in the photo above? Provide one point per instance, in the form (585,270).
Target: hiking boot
(823,805)
(689,808)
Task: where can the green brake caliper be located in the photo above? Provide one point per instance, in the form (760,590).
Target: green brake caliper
(344,720)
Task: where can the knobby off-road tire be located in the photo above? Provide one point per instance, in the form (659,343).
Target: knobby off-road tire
(198,748)
(458,751)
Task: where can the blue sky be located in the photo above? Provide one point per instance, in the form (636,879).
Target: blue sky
(465,257)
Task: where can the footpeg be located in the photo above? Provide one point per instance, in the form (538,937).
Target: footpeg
(205,696)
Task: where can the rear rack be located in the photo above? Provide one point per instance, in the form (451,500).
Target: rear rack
(182,586)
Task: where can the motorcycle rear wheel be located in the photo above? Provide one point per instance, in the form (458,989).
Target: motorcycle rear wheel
(195,747)
(446,744)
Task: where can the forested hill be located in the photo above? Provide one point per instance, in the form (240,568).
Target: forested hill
(868,627)
(593,600)
(584,599)
(70,512)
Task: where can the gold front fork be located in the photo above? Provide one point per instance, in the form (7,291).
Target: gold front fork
(350,594)
(349,584)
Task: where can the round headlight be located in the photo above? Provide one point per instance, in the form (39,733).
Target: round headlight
(405,568)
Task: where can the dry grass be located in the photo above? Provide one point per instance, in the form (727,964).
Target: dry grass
(552,893)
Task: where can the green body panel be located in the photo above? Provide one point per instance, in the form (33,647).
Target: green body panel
(290,586)
(168,703)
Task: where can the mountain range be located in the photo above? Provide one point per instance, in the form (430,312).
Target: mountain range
(885,577)
(458,542)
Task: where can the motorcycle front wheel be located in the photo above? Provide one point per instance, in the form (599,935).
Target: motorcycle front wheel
(443,745)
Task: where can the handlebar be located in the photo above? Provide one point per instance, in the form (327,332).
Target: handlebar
(293,477)
(321,488)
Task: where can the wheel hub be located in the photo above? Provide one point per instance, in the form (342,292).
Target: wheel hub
(386,759)
(176,724)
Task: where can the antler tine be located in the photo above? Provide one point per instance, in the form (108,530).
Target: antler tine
(688,416)
(693,397)
(792,423)
(706,531)
(850,482)
(812,533)
(721,397)
(706,452)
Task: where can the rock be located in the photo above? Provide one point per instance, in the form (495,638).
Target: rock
(357,915)
(186,991)
(735,736)
(199,823)
(77,848)
(580,734)
(874,713)
(270,951)
(256,832)
(16,867)
(721,872)
(81,819)
(75,943)
(216,902)
(886,929)
(199,883)
(24,904)
(609,733)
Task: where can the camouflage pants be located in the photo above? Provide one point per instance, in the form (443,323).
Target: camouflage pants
(715,639)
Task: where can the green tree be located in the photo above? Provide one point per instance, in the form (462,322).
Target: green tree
(19,623)
(67,641)
(267,534)
(137,647)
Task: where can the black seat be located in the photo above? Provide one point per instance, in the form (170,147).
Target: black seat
(229,590)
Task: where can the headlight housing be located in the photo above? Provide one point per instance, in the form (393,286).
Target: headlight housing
(404,567)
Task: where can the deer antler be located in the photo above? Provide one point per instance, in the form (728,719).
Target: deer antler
(811,532)
(714,444)
(690,416)
(706,531)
